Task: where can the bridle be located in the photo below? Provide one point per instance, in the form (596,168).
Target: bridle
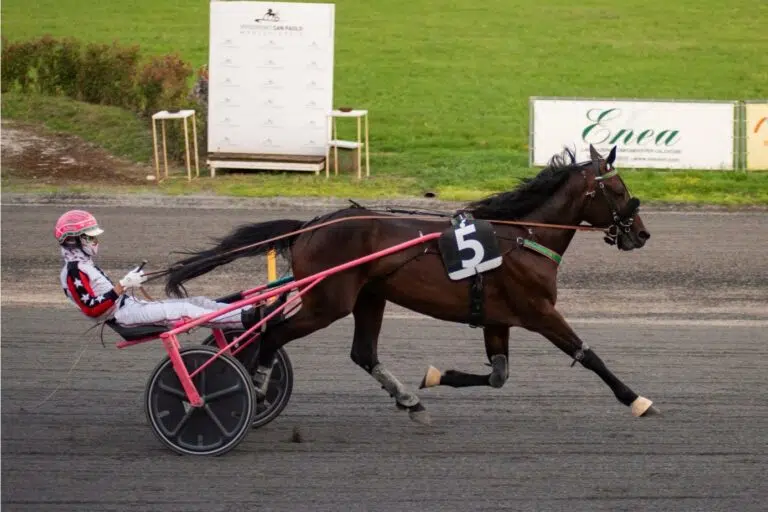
(622,219)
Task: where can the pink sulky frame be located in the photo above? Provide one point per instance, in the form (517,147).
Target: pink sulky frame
(173,347)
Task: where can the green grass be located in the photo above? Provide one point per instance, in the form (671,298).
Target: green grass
(447,85)
(452,174)
(118,131)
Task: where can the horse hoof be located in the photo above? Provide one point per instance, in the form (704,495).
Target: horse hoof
(431,378)
(421,417)
(642,407)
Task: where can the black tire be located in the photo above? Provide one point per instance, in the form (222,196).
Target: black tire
(222,422)
(280,382)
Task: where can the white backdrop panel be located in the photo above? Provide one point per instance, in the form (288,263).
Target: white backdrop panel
(270,77)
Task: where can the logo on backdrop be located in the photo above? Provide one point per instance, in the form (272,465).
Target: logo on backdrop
(270,84)
(606,127)
(269,21)
(270,15)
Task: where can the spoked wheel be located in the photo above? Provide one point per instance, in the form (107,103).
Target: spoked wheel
(278,392)
(229,403)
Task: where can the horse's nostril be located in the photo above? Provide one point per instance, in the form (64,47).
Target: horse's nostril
(644,235)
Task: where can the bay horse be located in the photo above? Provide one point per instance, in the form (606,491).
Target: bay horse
(520,292)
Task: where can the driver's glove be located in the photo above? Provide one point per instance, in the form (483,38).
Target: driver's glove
(133,279)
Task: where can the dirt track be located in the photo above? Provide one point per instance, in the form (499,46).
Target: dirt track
(682,321)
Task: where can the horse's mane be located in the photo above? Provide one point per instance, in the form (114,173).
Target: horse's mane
(530,194)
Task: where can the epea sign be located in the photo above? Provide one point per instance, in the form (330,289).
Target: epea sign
(652,134)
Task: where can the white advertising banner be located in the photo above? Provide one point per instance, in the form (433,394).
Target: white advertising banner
(648,134)
(756,118)
(270,82)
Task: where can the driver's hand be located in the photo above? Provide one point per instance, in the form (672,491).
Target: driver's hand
(133,279)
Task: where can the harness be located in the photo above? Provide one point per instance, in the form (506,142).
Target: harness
(622,222)
(622,219)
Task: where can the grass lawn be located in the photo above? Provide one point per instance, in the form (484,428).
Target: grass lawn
(447,85)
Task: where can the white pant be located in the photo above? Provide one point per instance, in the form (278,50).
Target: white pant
(140,312)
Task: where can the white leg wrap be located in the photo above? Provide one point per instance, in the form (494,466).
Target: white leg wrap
(261,378)
(500,371)
(394,387)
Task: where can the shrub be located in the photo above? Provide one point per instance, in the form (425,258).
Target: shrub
(58,66)
(107,75)
(18,62)
(199,96)
(162,84)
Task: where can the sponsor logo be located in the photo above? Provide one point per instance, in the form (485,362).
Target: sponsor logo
(272,45)
(269,16)
(228,102)
(606,126)
(313,105)
(312,143)
(271,64)
(228,121)
(271,123)
(268,142)
(762,124)
(269,21)
(270,84)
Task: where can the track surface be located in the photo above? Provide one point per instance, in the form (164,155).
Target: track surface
(682,321)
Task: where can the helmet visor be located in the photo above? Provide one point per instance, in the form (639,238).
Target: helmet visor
(93,231)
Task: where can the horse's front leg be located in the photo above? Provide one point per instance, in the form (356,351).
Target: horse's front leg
(554,327)
(497,350)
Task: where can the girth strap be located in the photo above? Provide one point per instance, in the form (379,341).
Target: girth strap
(476,301)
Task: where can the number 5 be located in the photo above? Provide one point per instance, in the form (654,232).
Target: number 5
(475,246)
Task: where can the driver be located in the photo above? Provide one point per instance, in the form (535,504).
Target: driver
(89,288)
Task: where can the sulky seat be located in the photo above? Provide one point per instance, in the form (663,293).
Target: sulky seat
(138,332)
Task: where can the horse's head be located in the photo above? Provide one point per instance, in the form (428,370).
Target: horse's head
(610,205)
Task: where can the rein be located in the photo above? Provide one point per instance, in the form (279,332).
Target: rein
(159,273)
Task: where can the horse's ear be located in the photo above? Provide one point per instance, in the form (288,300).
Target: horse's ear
(611,155)
(593,154)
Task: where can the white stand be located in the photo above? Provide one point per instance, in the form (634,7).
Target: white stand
(164,115)
(335,143)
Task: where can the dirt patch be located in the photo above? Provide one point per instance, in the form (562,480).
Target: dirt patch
(32,153)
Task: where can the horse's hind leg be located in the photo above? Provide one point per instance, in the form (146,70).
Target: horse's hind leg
(557,330)
(368,313)
(318,310)
(497,350)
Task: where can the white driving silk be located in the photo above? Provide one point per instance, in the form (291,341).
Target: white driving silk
(89,288)
(134,312)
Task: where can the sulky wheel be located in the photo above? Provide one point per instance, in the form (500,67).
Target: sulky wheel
(229,402)
(280,385)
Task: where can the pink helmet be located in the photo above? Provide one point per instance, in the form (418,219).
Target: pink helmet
(76,223)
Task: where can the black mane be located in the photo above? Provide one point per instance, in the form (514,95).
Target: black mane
(530,194)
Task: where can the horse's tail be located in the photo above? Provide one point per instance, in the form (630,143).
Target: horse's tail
(236,244)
